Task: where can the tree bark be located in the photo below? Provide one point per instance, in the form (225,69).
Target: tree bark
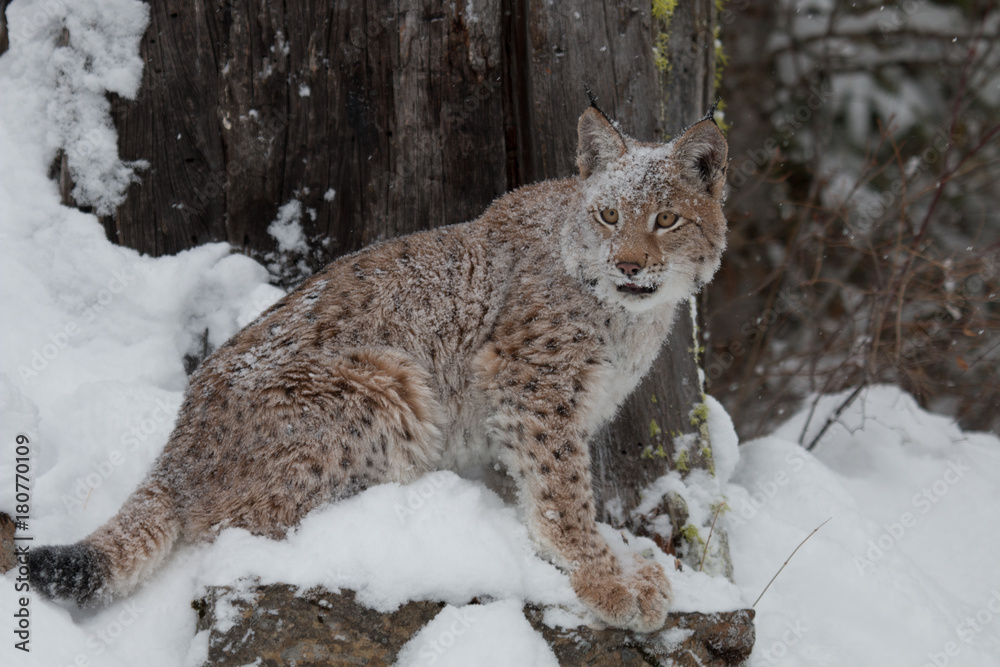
(248,105)
(383,122)
(4,39)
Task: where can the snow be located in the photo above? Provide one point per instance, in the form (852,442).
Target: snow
(92,373)
(907,567)
(287,263)
(725,442)
(286,229)
(102,56)
(441,538)
(490,635)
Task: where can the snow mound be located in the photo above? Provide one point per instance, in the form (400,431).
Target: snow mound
(491,635)
(725,442)
(440,538)
(906,568)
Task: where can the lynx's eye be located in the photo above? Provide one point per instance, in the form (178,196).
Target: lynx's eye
(609,216)
(666,221)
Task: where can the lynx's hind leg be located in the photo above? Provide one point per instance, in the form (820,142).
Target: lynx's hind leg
(325,427)
(319,427)
(394,392)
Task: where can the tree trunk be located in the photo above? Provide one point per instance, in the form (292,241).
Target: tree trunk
(4,39)
(382,122)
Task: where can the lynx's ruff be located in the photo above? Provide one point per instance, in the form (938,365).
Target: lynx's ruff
(513,338)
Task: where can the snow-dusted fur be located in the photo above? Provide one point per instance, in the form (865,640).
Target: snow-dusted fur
(513,337)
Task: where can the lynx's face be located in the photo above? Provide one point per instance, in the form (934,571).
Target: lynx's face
(653,230)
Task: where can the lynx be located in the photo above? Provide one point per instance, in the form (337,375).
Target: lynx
(511,338)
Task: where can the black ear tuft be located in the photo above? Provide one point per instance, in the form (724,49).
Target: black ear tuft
(702,152)
(593,98)
(599,141)
(710,114)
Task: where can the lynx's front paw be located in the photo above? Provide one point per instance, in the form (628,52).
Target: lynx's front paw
(637,601)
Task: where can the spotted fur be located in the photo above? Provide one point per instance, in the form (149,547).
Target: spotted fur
(510,338)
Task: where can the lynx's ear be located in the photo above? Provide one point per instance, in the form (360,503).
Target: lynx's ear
(702,152)
(600,142)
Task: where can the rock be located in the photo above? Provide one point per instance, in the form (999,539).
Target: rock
(7,558)
(317,629)
(692,639)
(321,629)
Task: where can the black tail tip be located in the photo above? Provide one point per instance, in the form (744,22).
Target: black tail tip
(78,572)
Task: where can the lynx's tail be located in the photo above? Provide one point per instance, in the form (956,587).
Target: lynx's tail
(115,558)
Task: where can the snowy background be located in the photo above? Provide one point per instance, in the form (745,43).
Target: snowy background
(92,372)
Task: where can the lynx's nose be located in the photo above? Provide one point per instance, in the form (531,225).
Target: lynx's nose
(628,268)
